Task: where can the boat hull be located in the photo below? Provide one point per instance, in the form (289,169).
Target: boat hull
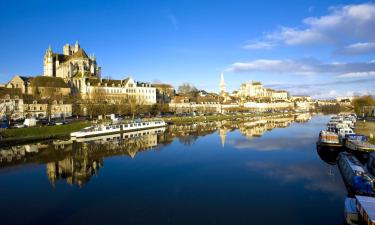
(356,147)
(112,131)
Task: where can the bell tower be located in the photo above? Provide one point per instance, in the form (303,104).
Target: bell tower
(48,63)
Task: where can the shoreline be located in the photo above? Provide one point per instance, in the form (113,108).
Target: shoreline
(34,134)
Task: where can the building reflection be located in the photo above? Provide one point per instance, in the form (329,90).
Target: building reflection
(75,162)
(260,125)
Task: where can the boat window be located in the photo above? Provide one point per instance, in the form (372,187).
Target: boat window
(131,125)
(107,128)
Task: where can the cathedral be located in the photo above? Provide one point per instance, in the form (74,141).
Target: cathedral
(74,62)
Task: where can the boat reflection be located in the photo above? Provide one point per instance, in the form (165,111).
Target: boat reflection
(328,155)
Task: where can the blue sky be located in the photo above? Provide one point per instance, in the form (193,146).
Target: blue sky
(320,48)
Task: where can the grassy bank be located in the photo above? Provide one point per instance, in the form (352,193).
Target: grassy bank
(29,134)
(366,128)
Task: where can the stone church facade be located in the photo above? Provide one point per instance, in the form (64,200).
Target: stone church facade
(73,62)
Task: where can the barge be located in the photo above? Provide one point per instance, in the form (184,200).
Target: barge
(356,178)
(360,210)
(105,129)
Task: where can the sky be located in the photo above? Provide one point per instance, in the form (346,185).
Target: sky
(319,48)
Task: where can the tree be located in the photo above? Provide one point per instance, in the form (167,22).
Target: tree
(159,108)
(135,105)
(96,103)
(360,102)
(188,90)
(76,104)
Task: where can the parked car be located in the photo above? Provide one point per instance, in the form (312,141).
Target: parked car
(4,125)
(18,125)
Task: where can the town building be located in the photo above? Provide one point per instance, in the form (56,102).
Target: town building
(117,90)
(74,73)
(40,85)
(46,109)
(11,104)
(256,90)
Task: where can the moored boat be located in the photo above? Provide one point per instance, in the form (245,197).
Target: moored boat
(356,178)
(329,139)
(360,210)
(118,137)
(366,209)
(104,129)
(358,142)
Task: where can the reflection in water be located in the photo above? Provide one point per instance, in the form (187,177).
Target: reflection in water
(305,171)
(77,161)
(191,174)
(327,155)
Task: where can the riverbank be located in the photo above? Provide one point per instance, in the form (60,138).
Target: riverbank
(366,128)
(32,134)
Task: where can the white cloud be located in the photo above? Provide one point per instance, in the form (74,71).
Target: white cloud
(358,74)
(341,26)
(267,65)
(301,67)
(358,48)
(255,45)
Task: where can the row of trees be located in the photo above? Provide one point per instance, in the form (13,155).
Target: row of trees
(101,104)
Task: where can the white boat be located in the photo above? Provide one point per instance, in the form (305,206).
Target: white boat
(103,129)
(122,136)
(331,126)
(343,132)
(329,139)
(359,142)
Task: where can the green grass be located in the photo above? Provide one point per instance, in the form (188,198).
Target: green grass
(39,133)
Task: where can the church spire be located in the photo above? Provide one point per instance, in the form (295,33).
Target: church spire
(222,83)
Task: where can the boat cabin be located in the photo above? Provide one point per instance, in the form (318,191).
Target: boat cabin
(344,132)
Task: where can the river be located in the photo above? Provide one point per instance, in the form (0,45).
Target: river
(261,171)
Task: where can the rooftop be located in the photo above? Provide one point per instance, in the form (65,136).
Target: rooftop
(44,81)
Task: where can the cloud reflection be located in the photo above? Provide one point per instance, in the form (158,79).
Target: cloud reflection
(326,180)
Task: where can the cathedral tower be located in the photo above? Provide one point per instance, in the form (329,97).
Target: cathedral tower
(48,63)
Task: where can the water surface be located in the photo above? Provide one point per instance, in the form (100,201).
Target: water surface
(265,171)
